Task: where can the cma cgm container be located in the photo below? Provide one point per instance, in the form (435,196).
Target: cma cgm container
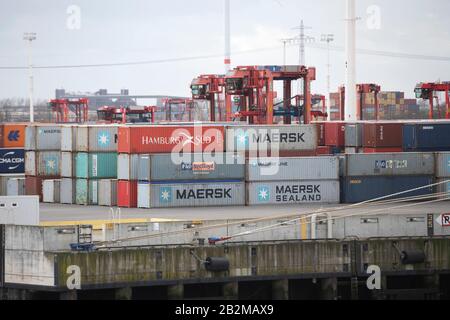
(43,138)
(96,165)
(167,139)
(354,135)
(67,191)
(293,192)
(389,164)
(282,138)
(286,169)
(69,138)
(359,189)
(382,135)
(127,194)
(97,138)
(12,135)
(219,193)
(335,134)
(45,163)
(426,137)
(12,161)
(86,192)
(188,166)
(443,165)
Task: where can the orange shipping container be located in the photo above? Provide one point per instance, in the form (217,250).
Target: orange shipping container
(12,135)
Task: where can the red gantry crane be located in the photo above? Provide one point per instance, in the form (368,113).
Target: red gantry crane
(126,115)
(209,87)
(61,109)
(427,91)
(361,89)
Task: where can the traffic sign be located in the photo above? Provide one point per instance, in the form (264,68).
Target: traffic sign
(444,220)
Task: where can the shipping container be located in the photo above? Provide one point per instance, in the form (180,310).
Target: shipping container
(382,135)
(359,189)
(323,150)
(97,138)
(12,135)
(167,139)
(33,186)
(128,166)
(127,194)
(354,135)
(390,164)
(188,166)
(12,161)
(426,137)
(444,186)
(86,192)
(208,194)
(320,133)
(280,137)
(281,153)
(96,165)
(291,169)
(43,138)
(68,191)
(45,163)
(51,191)
(69,138)
(443,165)
(292,192)
(15,187)
(335,134)
(383,150)
(107,192)
(68,164)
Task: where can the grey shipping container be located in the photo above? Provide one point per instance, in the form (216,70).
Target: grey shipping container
(69,138)
(288,169)
(97,138)
(389,164)
(107,192)
(354,135)
(293,192)
(127,166)
(51,191)
(191,194)
(68,164)
(67,191)
(4,183)
(15,187)
(191,167)
(44,163)
(43,138)
(282,138)
(443,164)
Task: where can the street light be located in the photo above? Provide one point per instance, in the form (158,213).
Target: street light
(30,37)
(328,38)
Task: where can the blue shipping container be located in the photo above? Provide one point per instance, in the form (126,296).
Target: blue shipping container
(426,137)
(359,189)
(12,161)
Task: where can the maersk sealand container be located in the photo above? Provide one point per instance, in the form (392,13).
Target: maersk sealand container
(426,137)
(364,188)
(96,165)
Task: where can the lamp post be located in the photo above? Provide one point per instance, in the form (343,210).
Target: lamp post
(30,37)
(328,38)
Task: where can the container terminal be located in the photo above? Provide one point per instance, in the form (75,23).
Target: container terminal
(252,188)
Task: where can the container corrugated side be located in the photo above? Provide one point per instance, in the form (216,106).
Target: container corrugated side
(293,192)
(51,191)
(68,138)
(48,138)
(283,138)
(127,194)
(82,139)
(359,189)
(127,167)
(426,137)
(192,195)
(68,191)
(96,165)
(30,163)
(107,192)
(30,138)
(67,164)
(288,169)
(443,165)
(15,187)
(389,164)
(48,163)
(103,138)
(86,192)
(354,135)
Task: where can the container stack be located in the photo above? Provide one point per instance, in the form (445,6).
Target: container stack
(353,137)
(443,172)
(382,137)
(292,180)
(335,136)
(371,176)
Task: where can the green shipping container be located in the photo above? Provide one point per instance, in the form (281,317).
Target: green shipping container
(86,192)
(96,165)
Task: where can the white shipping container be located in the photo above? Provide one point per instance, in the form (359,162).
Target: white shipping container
(68,138)
(15,187)
(97,138)
(67,164)
(30,163)
(67,191)
(107,192)
(50,191)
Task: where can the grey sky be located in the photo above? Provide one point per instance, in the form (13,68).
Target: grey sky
(136,30)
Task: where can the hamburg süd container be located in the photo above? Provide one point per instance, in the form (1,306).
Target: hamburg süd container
(335,134)
(288,169)
(390,164)
(43,138)
(280,137)
(382,135)
(207,194)
(67,191)
(44,163)
(354,135)
(12,161)
(51,191)
(15,187)
(443,165)
(69,138)
(426,137)
(292,192)
(127,194)
(167,139)
(97,138)
(189,167)
(359,189)
(107,192)
(12,135)
(96,165)
(86,192)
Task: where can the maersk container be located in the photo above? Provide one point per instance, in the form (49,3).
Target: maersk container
(191,166)
(86,192)
(97,138)
(96,165)
(359,189)
(443,165)
(283,138)
(127,166)
(218,193)
(45,163)
(68,191)
(15,187)
(426,137)
(51,191)
(43,138)
(354,135)
(67,164)
(69,138)
(292,192)
(390,164)
(289,169)
(107,192)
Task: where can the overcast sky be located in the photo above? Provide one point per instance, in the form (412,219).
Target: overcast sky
(117,31)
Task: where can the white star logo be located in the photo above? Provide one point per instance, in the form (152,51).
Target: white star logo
(263,194)
(51,164)
(103,139)
(165,195)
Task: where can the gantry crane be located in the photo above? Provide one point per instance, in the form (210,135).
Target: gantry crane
(185,105)
(426,91)
(61,109)
(209,87)
(126,115)
(361,89)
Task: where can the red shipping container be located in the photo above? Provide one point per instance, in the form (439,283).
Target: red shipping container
(382,150)
(335,134)
(127,194)
(321,133)
(33,186)
(383,135)
(323,150)
(167,139)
